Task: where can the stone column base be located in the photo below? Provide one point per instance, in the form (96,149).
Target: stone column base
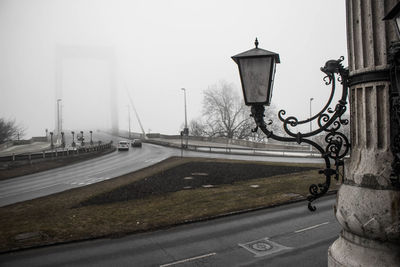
(352,250)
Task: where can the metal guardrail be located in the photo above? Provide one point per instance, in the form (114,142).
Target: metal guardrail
(254,151)
(56,153)
(240,150)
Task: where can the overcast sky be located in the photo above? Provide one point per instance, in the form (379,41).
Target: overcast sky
(153,49)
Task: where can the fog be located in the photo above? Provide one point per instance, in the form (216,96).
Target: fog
(88,52)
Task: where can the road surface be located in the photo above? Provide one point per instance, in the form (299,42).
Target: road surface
(103,168)
(288,235)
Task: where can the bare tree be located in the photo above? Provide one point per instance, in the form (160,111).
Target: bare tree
(226,115)
(224,112)
(9,130)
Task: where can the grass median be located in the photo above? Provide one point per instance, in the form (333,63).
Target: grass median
(175,191)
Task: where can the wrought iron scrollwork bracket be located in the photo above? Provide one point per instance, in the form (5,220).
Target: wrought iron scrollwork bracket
(329,121)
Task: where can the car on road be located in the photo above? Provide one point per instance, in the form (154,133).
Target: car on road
(123,145)
(136,143)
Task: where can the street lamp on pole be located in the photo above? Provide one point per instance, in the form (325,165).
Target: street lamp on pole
(73,139)
(82,138)
(51,140)
(62,140)
(185,130)
(59,126)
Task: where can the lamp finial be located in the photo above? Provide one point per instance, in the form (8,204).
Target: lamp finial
(256,42)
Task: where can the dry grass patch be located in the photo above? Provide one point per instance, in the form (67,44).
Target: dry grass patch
(61,218)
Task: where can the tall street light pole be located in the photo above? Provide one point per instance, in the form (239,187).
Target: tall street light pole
(59,125)
(186,130)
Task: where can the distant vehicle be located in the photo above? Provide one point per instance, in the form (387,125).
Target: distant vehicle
(123,145)
(136,143)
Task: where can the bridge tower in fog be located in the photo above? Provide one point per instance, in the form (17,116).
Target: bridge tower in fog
(106,54)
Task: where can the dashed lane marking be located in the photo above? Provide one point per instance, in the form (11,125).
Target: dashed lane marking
(311,227)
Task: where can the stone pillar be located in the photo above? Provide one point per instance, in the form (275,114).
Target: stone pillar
(368,205)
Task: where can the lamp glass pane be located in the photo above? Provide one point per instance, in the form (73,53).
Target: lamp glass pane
(255,78)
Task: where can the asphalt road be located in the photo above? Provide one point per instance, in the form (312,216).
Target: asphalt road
(288,235)
(103,168)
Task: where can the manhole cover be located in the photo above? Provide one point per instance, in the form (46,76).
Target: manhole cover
(263,247)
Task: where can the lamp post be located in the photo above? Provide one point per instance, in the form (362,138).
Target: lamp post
(257,70)
(59,126)
(62,140)
(51,140)
(73,139)
(186,129)
(91,140)
(82,138)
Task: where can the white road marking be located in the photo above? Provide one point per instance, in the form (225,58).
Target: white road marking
(189,259)
(311,227)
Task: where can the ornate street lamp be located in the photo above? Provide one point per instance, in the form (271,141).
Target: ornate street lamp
(82,138)
(73,139)
(257,70)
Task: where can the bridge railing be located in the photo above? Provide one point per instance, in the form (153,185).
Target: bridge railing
(57,152)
